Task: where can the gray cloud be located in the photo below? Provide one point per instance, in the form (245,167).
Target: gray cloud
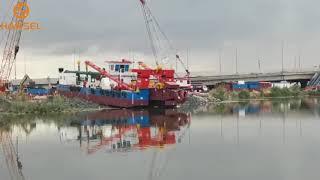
(119,24)
(204,27)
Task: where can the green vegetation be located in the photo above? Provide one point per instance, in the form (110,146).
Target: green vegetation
(219,93)
(275,92)
(224,95)
(55,104)
(314,93)
(294,91)
(244,95)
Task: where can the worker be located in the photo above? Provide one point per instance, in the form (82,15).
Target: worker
(85,83)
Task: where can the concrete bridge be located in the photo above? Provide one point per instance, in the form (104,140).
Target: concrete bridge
(210,80)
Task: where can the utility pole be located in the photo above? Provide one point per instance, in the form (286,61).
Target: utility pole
(282,54)
(132,56)
(74,59)
(188,59)
(176,65)
(236,60)
(220,67)
(299,63)
(295,63)
(259,65)
(79,61)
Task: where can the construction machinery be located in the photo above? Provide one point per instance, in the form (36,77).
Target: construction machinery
(160,44)
(11,46)
(122,86)
(22,83)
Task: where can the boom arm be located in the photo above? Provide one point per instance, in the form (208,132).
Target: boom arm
(11,48)
(158,39)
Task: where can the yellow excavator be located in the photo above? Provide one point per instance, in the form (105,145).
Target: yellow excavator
(22,83)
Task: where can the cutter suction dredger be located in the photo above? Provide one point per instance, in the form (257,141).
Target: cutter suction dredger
(119,85)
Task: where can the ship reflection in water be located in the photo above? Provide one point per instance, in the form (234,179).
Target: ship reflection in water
(128,130)
(223,142)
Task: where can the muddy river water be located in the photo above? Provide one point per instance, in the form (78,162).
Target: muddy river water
(277,139)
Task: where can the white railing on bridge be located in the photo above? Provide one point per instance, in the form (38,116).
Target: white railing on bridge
(212,73)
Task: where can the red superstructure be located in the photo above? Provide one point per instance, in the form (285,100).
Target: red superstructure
(162,77)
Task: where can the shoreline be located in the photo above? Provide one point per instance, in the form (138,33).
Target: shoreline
(55,105)
(60,112)
(259,99)
(87,106)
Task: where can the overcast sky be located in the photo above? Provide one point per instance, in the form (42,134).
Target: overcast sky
(101,30)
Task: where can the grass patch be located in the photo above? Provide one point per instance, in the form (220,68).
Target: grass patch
(275,92)
(55,104)
(219,93)
(314,93)
(294,91)
(244,95)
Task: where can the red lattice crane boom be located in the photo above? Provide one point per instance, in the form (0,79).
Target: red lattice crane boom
(11,49)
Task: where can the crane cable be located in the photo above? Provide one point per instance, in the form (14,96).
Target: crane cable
(149,33)
(158,33)
(146,10)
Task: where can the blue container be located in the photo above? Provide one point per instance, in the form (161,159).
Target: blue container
(239,86)
(38,91)
(252,82)
(253,85)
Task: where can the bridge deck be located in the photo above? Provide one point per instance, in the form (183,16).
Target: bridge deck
(271,77)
